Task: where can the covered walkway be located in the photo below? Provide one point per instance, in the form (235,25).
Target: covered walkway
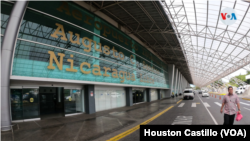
(87,126)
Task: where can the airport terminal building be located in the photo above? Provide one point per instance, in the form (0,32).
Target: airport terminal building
(67,60)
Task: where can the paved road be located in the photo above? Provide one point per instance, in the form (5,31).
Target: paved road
(200,111)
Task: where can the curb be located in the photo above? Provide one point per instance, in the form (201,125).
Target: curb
(246,98)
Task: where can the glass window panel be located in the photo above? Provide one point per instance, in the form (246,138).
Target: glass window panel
(97,100)
(30,103)
(83,107)
(120,98)
(113,97)
(5,13)
(107,99)
(153,94)
(16,104)
(102,100)
(73,101)
(34,58)
(145,97)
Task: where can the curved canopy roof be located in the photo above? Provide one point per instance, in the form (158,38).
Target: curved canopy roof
(210,46)
(148,21)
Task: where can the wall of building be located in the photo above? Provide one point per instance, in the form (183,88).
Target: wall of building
(64,47)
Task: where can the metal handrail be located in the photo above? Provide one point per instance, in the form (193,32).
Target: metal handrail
(11,129)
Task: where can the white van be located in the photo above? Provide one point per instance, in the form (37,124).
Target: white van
(188,94)
(240,90)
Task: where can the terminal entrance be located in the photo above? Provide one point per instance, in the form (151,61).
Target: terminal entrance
(138,96)
(51,102)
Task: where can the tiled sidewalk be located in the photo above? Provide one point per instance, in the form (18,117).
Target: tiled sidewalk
(86,126)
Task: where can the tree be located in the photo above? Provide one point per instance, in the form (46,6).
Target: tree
(233,82)
(197,88)
(219,82)
(241,77)
(248,72)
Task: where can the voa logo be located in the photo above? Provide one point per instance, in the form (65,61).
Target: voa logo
(228,16)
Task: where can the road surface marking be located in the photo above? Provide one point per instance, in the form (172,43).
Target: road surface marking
(193,105)
(181,105)
(206,104)
(217,103)
(246,108)
(129,131)
(215,122)
(183,120)
(179,101)
(245,103)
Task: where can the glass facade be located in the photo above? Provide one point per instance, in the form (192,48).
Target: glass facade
(5,13)
(163,93)
(61,40)
(30,103)
(154,95)
(16,104)
(109,99)
(66,41)
(24,103)
(73,101)
(139,95)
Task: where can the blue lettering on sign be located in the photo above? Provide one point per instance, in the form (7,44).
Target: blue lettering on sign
(233,16)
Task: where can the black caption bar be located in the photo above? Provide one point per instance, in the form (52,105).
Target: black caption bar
(163,132)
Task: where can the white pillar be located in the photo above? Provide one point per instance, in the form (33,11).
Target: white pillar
(176,79)
(8,46)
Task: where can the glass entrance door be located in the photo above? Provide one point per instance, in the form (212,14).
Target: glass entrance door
(51,102)
(138,96)
(73,101)
(24,103)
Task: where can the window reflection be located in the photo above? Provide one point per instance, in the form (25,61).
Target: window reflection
(30,103)
(73,101)
(16,104)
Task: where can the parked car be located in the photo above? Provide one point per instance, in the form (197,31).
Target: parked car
(200,92)
(205,94)
(188,94)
